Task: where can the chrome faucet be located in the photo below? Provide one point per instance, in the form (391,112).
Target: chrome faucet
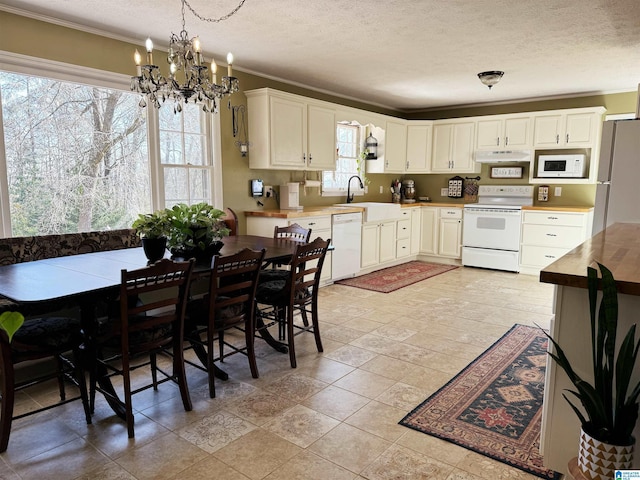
(349,194)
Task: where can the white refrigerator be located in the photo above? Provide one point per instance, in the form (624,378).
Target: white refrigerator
(618,186)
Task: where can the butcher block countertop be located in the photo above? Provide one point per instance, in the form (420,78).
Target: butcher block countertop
(617,248)
(332,210)
(559,209)
(304,212)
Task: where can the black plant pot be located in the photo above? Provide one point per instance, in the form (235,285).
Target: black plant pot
(201,256)
(154,248)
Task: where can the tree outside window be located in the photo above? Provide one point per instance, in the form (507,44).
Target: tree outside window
(76,156)
(185,156)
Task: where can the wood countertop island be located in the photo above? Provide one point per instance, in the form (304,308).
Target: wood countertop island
(618,249)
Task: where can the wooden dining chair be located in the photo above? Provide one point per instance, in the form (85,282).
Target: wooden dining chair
(231,220)
(230,303)
(280,300)
(291,233)
(151,319)
(50,338)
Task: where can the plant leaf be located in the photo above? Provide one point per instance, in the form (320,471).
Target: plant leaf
(10,322)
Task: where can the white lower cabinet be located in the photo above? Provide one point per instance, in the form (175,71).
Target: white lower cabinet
(428,231)
(404,229)
(378,243)
(450,232)
(416,219)
(548,235)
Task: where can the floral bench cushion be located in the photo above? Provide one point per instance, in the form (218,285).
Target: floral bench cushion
(26,249)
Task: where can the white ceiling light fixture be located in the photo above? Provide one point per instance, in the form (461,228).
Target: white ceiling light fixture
(189,79)
(490,78)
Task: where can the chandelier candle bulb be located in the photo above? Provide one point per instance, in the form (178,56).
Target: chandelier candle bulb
(229,63)
(198,49)
(138,59)
(214,70)
(149,45)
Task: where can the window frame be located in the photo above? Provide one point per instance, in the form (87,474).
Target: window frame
(341,191)
(28,65)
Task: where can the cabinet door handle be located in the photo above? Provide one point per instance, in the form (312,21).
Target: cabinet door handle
(304,157)
(407,166)
(551,235)
(498,142)
(558,138)
(506,141)
(310,158)
(552,218)
(567,138)
(550,256)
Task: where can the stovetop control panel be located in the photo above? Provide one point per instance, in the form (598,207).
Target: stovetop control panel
(506,190)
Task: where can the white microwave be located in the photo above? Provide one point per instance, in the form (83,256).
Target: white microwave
(568,165)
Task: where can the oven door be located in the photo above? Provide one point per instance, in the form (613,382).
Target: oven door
(494,228)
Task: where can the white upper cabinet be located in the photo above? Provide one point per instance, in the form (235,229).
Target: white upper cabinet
(395,149)
(504,132)
(287,132)
(573,129)
(453,146)
(418,148)
(321,138)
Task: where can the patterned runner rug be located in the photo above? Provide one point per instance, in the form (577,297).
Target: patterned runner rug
(494,406)
(392,278)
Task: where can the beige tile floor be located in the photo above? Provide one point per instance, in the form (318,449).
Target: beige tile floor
(334,417)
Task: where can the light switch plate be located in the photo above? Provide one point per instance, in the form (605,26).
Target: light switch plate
(558,192)
(444,192)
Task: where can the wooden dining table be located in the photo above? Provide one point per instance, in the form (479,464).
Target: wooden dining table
(56,279)
(88,280)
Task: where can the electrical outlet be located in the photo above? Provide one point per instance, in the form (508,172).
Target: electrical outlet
(444,192)
(366,189)
(268,191)
(543,193)
(381,189)
(558,192)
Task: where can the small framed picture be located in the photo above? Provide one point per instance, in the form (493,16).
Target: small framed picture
(506,172)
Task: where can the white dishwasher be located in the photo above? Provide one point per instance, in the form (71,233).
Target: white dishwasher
(346,239)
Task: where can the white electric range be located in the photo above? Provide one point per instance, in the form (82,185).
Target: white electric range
(491,227)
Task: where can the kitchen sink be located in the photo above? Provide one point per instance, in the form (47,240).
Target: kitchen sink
(375,211)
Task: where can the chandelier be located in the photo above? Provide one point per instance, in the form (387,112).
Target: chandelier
(189,78)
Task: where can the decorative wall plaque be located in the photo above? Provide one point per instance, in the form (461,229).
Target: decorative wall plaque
(506,172)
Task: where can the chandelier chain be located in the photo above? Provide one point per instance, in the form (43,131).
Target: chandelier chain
(212,20)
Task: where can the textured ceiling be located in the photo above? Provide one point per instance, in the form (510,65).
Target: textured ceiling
(401,54)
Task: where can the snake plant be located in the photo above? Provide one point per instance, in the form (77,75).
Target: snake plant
(609,404)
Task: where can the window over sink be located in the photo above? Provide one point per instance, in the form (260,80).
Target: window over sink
(348,162)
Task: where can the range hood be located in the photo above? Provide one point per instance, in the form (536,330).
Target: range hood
(498,156)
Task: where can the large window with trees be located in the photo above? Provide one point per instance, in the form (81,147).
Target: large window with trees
(85,156)
(76,156)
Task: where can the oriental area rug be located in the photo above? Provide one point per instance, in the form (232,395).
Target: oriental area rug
(392,278)
(494,406)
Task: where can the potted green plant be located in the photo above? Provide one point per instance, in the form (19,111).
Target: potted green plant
(152,229)
(195,230)
(610,403)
